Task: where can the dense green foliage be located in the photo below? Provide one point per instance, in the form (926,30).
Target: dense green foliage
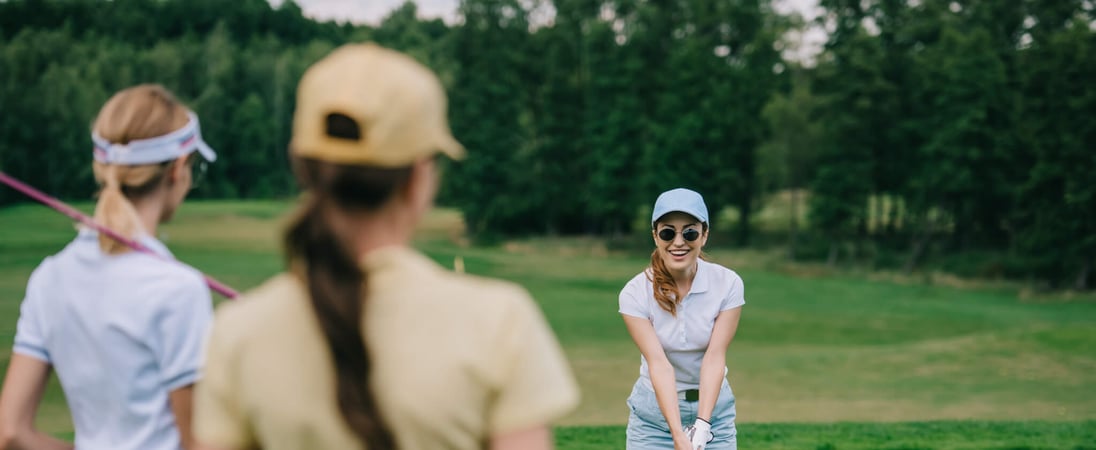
(573,123)
(925,129)
(960,126)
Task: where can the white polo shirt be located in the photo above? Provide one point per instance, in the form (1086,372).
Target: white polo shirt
(684,338)
(121,331)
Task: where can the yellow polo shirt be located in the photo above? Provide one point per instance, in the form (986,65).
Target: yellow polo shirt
(456,359)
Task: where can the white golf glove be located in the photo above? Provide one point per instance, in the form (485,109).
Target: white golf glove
(700,433)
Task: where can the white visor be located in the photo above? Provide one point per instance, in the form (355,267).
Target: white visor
(155,150)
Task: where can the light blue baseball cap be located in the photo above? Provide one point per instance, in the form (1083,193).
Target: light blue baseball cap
(683,200)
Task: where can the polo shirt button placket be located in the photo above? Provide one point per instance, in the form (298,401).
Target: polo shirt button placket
(683,321)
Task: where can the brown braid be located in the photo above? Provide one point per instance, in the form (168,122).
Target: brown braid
(336,283)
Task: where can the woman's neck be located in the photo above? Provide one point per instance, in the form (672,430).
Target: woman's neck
(683,279)
(385,228)
(149,211)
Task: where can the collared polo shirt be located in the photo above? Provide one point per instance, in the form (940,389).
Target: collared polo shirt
(122,332)
(456,359)
(684,338)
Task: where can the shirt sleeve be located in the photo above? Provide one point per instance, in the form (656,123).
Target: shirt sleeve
(180,330)
(633,301)
(735,297)
(536,387)
(219,419)
(31,330)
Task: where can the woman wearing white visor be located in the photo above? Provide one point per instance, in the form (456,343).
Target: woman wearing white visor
(682,313)
(123,329)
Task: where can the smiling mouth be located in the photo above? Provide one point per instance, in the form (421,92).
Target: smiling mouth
(679,252)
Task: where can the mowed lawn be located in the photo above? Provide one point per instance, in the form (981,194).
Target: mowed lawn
(836,361)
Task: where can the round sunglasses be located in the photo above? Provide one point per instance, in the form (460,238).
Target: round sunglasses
(668,234)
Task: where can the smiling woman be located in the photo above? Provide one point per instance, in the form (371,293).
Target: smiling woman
(682,313)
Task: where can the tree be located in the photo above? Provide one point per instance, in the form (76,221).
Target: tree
(492,186)
(787,159)
(1055,215)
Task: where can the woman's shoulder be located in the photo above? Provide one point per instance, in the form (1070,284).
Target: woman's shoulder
(720,271)
(637,288)
(478,289)
(272,295)
(641,278)
(282,295)
(641,281)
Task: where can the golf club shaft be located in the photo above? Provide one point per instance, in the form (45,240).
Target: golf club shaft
(78,216)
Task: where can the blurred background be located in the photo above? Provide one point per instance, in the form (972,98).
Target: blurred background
(907,187)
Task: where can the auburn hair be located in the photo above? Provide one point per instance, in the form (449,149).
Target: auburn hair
(319,246)
(665,288)
(139,112)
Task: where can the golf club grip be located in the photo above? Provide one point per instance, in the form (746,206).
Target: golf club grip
(76,215)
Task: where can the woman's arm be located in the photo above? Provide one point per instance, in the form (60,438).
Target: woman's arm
(715,361)
(662,374)
(539,438)
(181,405)
(23,388)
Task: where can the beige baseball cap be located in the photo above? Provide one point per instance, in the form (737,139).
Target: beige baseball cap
(397,106)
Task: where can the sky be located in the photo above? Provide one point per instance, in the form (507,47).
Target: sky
(372,11)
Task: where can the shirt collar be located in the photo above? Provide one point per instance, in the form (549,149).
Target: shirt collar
(158,248)
(700,282)
(396,256)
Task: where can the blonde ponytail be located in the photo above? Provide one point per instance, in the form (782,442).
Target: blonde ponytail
(114,210)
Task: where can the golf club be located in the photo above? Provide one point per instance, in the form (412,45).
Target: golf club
(76,215)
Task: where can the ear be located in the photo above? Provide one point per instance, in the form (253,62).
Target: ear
(178,170)
(423,185)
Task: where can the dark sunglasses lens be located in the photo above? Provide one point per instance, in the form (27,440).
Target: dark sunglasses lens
(690,235)
(667,234)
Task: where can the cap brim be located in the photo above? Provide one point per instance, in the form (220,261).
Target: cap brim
(206,151)
(693,214)
(451,148)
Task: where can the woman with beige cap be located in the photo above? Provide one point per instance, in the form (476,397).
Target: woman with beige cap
(682,312)
(364,342)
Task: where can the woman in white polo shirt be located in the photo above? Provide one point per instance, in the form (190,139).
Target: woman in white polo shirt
(122,329)
(682,313)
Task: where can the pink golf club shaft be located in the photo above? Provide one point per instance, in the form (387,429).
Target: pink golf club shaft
(78,216)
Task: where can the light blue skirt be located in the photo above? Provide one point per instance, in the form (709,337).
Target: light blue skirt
(647,428)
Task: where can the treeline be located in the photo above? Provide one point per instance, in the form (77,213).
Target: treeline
(960,126)
(574,122)
(236,63)
(926,128)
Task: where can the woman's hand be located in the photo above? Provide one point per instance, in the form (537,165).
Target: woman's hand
(682,442)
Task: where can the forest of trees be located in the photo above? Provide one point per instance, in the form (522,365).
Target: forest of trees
(925,127)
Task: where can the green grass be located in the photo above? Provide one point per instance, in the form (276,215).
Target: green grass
(816,349)
(875,436)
